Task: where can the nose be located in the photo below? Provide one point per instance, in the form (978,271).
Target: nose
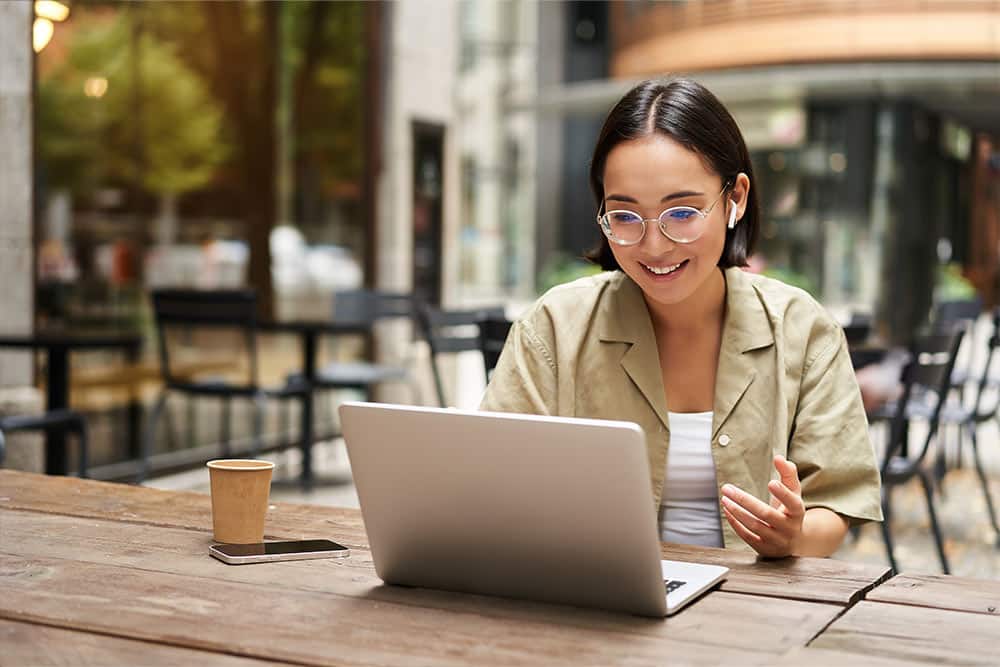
(656,242)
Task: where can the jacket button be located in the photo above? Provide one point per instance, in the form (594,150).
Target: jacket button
(723,440)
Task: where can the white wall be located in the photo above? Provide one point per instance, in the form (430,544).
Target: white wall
(16,299)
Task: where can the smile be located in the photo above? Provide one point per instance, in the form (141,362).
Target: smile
(663,270)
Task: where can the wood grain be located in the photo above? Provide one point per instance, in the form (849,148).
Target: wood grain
(915,634)
(275,622)
(185,552)
(813,579)
(979,596)
(808,656)
(42,646)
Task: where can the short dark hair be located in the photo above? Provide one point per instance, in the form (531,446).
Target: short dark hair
(691,115)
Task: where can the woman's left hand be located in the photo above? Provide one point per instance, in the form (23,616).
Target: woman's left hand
(772,530)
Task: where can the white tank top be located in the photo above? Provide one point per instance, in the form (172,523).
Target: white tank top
(689,509)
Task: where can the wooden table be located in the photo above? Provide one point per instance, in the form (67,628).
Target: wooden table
(99,573)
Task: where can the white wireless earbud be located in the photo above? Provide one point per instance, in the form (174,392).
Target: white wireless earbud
(732,215)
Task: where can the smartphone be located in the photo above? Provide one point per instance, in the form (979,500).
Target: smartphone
(267,552)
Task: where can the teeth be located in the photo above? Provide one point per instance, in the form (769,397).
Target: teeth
(662,271)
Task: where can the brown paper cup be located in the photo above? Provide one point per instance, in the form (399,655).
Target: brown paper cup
(240,489)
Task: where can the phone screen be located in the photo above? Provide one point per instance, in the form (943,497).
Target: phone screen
(279,548)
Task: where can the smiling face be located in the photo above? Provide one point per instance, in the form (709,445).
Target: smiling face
(647,176)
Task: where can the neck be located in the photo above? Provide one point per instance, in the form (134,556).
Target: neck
(705,308)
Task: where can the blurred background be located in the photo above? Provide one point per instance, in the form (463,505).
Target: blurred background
(441,147)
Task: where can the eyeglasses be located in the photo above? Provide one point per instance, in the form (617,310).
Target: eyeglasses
(680,224)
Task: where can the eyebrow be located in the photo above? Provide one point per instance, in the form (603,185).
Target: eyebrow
(675,195)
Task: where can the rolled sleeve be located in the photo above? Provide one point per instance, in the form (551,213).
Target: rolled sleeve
(830,444)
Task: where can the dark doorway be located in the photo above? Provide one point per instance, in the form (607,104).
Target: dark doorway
(428,200)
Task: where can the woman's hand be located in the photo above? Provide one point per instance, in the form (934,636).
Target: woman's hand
(773,530)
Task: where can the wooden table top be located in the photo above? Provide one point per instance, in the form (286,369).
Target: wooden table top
(99,573)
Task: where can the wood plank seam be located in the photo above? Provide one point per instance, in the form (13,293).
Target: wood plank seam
(41,620)
(60,626)
(855,599)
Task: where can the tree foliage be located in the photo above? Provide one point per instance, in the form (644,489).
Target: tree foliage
(148,119)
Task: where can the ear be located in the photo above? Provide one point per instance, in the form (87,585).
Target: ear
(739,196)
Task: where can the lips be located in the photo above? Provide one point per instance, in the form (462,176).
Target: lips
(664,270)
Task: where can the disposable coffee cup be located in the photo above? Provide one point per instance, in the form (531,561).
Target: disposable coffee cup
(240,489)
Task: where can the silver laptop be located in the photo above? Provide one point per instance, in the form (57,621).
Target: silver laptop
(540,508)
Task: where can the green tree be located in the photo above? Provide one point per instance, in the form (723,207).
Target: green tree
(91,132)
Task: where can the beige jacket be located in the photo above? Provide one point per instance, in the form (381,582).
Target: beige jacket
(784,385)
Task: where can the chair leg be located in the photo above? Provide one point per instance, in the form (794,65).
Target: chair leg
(284,419)
(886,532)
(935,528)
(983,481)
(192,422)
(259,410)
(80,426)
(224,425)
(438,383)
(150,436)
(3,448)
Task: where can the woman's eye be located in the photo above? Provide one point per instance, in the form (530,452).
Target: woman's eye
(623,217)
(681,214)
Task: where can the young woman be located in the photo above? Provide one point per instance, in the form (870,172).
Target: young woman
(743,385)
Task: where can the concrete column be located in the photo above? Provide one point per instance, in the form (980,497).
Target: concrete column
(16,296)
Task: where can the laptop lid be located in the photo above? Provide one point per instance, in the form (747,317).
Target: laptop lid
(543,508)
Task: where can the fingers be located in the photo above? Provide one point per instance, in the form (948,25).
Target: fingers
(745,533)
(788,472)
(770,531)
(753,505)
(792,502)
(765,531)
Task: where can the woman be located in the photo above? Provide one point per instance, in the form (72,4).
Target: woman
(736,379)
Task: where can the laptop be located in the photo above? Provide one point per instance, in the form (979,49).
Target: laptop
(550,509)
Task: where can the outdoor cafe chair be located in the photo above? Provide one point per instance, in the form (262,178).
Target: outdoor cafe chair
(189,320)
(964,313)
(52,420)
(451,332)
(493,333)
(365,308)
(926,384)
(984,409)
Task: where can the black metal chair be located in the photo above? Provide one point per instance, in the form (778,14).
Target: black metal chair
(365,308)
(963,313)
(984,409)
(53,420)
(181,316)
(926,384)
(451,332)
(493,333)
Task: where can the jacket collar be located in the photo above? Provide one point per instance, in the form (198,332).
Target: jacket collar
(625,319)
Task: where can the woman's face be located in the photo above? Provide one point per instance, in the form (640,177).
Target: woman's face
(647,176)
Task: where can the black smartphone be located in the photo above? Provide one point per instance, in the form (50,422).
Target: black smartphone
(267,552)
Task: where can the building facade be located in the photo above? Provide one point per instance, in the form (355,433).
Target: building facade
(872,127)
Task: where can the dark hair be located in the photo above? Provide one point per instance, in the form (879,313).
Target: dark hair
(691,115)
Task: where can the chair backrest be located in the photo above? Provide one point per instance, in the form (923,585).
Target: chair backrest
(982,411)
(493,333)
(217,327)
(948,313)
(857,333)
(452,331)
(927,375)
(367,306)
